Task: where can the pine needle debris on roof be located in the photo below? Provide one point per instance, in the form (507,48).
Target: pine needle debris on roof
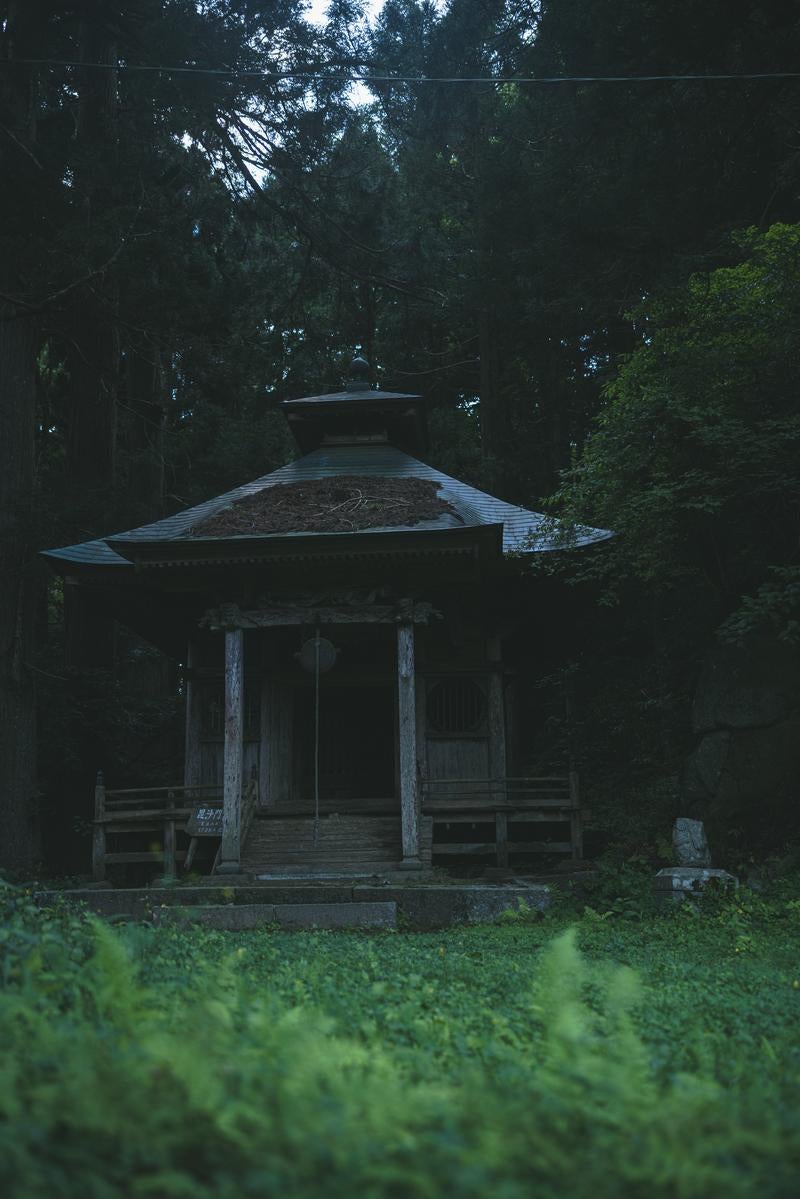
(341,504)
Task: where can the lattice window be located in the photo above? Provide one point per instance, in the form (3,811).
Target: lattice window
(455,707)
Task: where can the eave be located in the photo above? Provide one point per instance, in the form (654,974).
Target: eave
(484,541)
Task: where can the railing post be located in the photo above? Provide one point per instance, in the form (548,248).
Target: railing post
(575,819)
(99,830)
(501,838)
(169,840)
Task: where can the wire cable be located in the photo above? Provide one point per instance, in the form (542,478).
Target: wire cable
(328,77)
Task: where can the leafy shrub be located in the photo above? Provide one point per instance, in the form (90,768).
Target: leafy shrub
(158,1063)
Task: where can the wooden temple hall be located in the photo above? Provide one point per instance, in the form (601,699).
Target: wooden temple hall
(346,627)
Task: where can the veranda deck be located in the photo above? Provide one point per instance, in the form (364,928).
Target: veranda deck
(483,821)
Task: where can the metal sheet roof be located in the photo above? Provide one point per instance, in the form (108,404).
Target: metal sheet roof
(524,531)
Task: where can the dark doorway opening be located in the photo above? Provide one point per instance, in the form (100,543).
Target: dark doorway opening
(356,746)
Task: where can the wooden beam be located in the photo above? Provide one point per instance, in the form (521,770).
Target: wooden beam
(230,850)
(407,742)
(281,616)
(144,856)
(467,848)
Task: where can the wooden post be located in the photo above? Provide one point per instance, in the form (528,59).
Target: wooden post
(501,838)
(407,739)
(99,830)
(230,850)
(169,840)
(497,743)
(575,818)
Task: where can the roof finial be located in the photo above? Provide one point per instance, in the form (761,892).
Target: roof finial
(360,371)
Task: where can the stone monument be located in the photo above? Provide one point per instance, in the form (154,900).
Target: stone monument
(694,872)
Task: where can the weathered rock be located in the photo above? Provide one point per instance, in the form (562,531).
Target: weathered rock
(748,685)
(682,882)
(742,777)
(690,842)
(704,767)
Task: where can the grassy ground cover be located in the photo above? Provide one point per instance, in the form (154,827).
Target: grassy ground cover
(581,1055)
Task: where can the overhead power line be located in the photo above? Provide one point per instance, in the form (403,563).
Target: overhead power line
(329,77)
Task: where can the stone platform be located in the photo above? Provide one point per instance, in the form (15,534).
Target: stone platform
(334,903)
(685,882)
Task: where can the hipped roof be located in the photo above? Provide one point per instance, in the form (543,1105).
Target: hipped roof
(523,531)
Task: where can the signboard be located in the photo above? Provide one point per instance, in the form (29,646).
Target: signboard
(205,822)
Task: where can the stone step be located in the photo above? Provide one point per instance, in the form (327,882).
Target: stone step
(305,870)
(285,915)
(425,905)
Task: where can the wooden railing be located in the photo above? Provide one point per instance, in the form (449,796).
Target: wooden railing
(162,811)
(249,805)
(553,799)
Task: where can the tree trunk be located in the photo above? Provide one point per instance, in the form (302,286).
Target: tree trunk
(22,184)
(18,581)
(94,335)
(93,356)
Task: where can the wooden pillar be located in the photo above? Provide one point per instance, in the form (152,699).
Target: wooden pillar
(99,830)
(230,850)
(407,741)
(497,743)
(192,770)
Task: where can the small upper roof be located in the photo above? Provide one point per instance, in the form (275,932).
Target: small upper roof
(523,531)
(359,413)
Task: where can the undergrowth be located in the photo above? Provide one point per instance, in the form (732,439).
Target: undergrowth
(527,1059)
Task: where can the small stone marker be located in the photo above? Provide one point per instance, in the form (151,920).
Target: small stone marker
(691,843)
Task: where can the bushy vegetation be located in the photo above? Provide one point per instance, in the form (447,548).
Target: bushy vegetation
(613,1057)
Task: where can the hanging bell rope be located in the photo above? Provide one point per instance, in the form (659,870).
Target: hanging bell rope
(317,655)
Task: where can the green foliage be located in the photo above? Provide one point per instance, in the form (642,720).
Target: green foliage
(695,460)
(169,1062)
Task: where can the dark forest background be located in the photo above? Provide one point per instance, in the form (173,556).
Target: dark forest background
(596,285)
